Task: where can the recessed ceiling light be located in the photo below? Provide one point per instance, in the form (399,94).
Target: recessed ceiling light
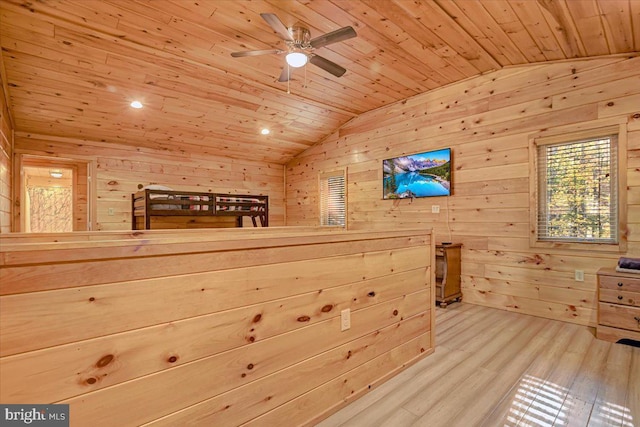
(265,131)
(55,174)
(136,104)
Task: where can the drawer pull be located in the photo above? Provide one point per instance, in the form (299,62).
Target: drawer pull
(620,284)
(620,297)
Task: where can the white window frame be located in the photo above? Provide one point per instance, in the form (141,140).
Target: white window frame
(569,136)
(323,185)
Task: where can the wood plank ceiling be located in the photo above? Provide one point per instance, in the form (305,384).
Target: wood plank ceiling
(72,67)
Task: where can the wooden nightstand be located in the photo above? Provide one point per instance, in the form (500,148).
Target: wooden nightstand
(448,273)
(618,305)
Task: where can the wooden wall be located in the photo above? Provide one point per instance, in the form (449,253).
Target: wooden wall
(487,122)
(210,327)
(6,153)
(120,168)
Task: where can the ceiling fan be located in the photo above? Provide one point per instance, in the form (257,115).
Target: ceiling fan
(300,46)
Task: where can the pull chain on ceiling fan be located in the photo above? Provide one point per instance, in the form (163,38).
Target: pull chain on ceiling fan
(300,47)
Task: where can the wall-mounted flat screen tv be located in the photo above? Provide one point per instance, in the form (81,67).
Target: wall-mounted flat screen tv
(425,174)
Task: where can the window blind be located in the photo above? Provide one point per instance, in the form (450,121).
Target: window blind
(333,199)
(577,190)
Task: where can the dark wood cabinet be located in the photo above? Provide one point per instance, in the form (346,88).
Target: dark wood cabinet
(448,273)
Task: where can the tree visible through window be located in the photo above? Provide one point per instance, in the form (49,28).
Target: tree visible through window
(333,198)
(577,190)
(50,209)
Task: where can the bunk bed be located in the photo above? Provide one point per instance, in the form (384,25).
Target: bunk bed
(164,209)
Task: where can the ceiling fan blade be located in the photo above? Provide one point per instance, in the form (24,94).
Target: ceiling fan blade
(333,37)
(328,66)
(285,75)
(255,52)
(277,25)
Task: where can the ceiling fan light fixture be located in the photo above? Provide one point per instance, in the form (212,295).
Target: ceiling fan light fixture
(296,59)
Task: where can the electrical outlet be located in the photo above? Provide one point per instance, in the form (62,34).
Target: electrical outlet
(345,319)
(435,208)
(579,275)
(110,211)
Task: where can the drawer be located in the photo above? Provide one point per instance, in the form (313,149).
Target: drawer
(619,316)
(622,283)
(439,289)
(620,297)
(440,268)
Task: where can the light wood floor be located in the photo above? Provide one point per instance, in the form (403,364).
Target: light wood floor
(496,368)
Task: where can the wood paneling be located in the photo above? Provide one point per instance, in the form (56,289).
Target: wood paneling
(487,122)
(120,168)
(222,345)
(73,66)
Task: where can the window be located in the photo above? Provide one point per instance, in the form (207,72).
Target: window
(577,189)
(333,198)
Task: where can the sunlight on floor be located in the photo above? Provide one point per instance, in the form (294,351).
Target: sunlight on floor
(539,403)
(612,414)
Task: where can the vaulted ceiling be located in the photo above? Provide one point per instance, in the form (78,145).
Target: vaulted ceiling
(71,67)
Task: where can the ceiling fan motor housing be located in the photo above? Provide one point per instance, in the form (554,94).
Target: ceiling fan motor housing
(301,37)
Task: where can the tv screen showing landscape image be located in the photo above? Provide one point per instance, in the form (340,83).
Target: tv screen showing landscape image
(418,175)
